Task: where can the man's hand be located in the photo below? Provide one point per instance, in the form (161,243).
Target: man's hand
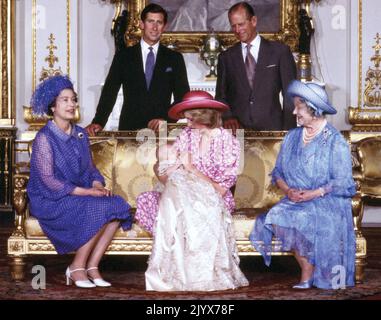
(232,124)
(155,124)
(93,128)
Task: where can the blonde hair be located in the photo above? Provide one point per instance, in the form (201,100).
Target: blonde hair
(209,117)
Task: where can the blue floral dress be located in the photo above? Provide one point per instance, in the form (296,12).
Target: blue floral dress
(59,163)
(320,229)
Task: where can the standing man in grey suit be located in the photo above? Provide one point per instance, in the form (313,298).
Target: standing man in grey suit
(149,72)
(251,75)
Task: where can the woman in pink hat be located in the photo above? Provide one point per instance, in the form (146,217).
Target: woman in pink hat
(194,245)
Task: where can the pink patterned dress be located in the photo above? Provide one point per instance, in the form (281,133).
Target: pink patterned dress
(219,163)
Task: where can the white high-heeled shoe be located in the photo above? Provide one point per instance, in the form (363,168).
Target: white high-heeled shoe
(99,282)
(78,283)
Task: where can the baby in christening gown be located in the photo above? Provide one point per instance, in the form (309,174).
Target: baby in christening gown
(147,202)
(168,162)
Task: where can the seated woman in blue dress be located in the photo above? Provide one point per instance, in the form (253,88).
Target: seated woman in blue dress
(66,191)
(314,219)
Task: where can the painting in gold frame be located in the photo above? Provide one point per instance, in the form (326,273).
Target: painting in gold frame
(190,41)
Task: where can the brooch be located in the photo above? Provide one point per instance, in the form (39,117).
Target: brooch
(80,135)
(326,134)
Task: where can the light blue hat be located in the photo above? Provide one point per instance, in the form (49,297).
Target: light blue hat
(47,91)
(314,94)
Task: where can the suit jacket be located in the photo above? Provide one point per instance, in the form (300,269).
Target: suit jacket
(258,108)
(140,105)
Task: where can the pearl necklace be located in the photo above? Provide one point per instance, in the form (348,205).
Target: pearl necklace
(308,137)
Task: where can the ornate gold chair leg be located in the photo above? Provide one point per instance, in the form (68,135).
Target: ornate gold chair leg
(358,212)
(360,267)
(17,265)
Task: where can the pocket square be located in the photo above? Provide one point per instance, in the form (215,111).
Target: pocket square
(271,66)
(169,69)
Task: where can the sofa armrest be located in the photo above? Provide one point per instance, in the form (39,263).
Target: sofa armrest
(357,213)
(20,202)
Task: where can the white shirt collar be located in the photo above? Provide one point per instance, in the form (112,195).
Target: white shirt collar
(255,44)
(145,47)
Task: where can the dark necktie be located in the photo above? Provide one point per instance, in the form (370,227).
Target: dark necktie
(250,66)
(150,64)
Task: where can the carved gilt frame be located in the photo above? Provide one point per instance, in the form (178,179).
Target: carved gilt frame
(7,58)
(191,41)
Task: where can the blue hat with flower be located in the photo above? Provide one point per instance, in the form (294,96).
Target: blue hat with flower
(47,91)
(315,95)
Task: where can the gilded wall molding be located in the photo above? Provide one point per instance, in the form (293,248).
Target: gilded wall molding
(360,52)
(372,92)
(7,94)
(191,41)
(34,41)
(68,37)
(37,122)
(366,116)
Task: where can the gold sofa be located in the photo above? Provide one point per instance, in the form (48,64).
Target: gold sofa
(126,159)
(369,155)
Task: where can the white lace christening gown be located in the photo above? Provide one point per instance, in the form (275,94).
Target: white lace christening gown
(194,247)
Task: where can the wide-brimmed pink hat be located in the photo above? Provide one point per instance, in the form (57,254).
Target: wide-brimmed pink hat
(196,99)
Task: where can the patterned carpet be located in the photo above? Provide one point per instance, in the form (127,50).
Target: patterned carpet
(127,277)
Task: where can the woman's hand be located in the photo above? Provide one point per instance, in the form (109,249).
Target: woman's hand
(94,192)
(98,185)
(303,195)
(295,195)
(161,177)
(186,161)
(308,195)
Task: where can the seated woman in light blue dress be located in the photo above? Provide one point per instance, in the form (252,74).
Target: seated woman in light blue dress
(66,191)
(314,219)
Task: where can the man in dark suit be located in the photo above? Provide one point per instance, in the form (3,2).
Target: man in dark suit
(250,78)
(149,72)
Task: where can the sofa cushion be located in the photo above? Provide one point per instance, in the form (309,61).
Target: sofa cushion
(33,230)
(371,188)
(129,165)
(243,224)
(133,169)
(254,188)
(370,152)
(103,157)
